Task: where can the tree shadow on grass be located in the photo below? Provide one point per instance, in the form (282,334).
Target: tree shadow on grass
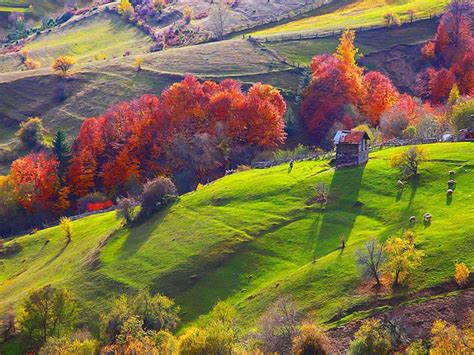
(58,254)
(342,210)
(139,234)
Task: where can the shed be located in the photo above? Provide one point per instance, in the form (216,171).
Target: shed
(351,148)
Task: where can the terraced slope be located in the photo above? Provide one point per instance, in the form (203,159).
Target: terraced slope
(251,237)
(360,13)
(97,85)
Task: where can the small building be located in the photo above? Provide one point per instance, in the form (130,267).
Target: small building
(351,148)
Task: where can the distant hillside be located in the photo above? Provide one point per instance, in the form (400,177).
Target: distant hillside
(253,236)
(34,11)
(358,13)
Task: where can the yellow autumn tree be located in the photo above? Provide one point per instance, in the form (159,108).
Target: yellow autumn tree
(124,7)
(63,64)
(348,53)
(461,274)
(448,339)
(402,256)
(66,225)
(138,63)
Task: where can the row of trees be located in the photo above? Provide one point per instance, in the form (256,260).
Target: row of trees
(144,324)
(193,131)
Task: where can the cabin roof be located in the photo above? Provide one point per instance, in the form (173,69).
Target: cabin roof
(350,137)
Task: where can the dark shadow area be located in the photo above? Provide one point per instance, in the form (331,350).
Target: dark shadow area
(341,211)
(449,199)
(139,234)
(399,194)
(58,254)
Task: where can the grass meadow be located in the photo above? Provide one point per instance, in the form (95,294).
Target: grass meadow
(254,236)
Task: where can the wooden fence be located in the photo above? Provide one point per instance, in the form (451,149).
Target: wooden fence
(331,33)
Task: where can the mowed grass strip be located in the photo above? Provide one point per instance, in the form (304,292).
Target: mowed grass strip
(362,13)
(254,236)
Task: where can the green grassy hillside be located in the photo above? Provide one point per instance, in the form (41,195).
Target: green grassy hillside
(360,13)
(104,35)
(302,51)
(253,236)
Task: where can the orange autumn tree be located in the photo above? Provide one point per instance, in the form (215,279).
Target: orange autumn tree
(35,183)
(381,95)
(193,126)
(340,95)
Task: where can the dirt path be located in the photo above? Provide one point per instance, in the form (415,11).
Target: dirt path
(413,321)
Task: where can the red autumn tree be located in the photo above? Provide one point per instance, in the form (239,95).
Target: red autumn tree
(262,117)
(326,96)
(336,83)
(136,140)
(35,182)
(451,50)
(440,84)
(381,95)
(396,119)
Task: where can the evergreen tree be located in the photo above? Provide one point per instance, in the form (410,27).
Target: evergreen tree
(62,151)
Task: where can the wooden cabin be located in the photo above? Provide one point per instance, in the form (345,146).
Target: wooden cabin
(351,148)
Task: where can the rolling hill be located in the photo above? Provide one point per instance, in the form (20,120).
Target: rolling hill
(253,236)
(355,14)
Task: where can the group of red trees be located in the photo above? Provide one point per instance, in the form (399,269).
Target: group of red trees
(339,92)
(197,129)
(451,55)
(340,95)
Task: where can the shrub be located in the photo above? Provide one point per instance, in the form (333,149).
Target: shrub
(416,348)
(278,326)
(311,340)
(166,342)
(461,274)
(461,116)
(31,64)
(126,209)
(80,342)
(157,194)
(94,199)
(62,65)
(31,132)
(99,206)
(371,338)
(192,342)
(447,339)
(66,226)
(155,313)
(47,312)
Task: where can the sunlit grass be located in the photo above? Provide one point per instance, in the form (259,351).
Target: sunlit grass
(359,14)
